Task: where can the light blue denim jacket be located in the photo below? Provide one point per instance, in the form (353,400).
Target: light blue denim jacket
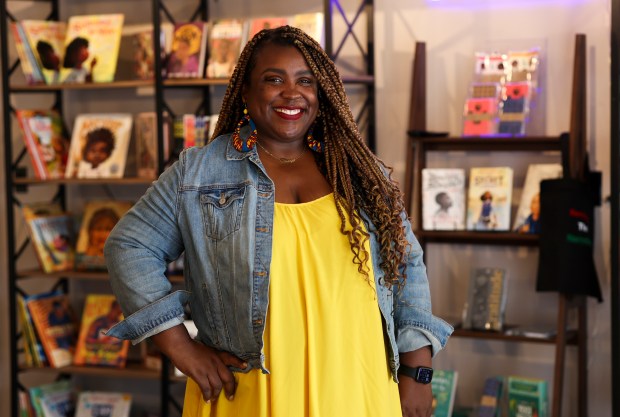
(217,205)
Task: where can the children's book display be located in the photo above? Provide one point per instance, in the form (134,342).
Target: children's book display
(46,40)
(489,198)
(101,312)
(46,143)
(55,325)
(502,94)
(99,145)
(444,390)
(443,199)
(527,219)
(486,300)
(98,220)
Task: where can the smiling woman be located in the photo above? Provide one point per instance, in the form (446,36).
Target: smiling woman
(304,278)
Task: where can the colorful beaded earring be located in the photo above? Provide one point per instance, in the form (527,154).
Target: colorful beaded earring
(313,143)
(248,144)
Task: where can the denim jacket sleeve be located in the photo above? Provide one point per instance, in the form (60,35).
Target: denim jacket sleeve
(414,322)
(137,253)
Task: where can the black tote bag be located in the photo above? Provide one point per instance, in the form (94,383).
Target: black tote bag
(566,263)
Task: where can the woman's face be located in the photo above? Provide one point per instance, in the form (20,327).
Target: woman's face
(282,95)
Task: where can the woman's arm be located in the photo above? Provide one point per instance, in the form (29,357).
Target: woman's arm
(416,399)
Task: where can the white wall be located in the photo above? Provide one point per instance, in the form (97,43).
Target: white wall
(453,31)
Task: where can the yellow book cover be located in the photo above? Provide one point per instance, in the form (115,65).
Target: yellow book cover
(91,48)
(101,311)
(47,42)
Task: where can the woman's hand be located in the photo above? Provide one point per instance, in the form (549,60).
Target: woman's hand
(416,400)
(205,365)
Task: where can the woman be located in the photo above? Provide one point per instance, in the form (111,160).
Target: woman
(305,281)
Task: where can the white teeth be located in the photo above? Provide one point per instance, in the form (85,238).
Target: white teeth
(289,112)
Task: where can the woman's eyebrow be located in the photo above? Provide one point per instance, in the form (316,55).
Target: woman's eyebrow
(283,72)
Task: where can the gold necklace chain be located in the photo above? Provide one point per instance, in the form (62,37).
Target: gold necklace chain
(282,160)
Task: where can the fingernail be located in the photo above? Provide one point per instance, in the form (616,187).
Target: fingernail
(230,398)
(245,364)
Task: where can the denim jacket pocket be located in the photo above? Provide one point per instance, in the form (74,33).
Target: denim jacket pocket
(222,207)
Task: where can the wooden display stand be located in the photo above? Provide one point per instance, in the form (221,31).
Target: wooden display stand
(420,141)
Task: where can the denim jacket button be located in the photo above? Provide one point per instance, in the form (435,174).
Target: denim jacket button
(222,199)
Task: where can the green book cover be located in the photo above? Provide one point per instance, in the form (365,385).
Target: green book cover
(527,397)
(444,388)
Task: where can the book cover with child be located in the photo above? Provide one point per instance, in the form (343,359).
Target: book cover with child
(99,146)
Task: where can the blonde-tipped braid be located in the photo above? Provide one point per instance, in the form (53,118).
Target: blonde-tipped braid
(358,178)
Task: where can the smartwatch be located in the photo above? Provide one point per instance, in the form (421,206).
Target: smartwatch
(421,374)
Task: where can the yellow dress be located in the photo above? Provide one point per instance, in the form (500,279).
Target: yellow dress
(323,338)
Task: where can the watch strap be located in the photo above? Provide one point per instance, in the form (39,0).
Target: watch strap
(415,374)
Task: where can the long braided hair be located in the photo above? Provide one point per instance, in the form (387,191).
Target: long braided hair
(359,180)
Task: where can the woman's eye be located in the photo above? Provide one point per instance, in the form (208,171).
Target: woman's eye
(306,81)
(274,80)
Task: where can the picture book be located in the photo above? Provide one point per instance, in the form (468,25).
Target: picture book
(489,198)
(46,143)
(54,390)
(53,240)
(444,390)
(527,397)
(91,48)
(527,219)
(486,300)
(103,404)
(27,60)
(259,23)
(101,312)
(189,44)
(46,39)
(312,24)
(145,133)
(491,396)
(54,321)
(136,55)
(98,219)
(226,39)
(443,199)
(58,404)
(99,145)
(32,343)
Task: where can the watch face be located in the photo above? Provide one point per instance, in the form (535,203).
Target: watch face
(425,375)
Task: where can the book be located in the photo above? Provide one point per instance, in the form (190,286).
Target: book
(444,390)
(101,312)
(54,321)
(48,392)
(527,397)
(226,39)
(32,343)
(259,23)
(103,404)
(187,57)
(312,24)
(53,241)
(91,48)
(25,406)
(491,397)
(46,143)
(46,39)
(489,198)
(99,145)
(443,199)
(28,62)
(486,300)
(145,133)
(527,219)
(98,220)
